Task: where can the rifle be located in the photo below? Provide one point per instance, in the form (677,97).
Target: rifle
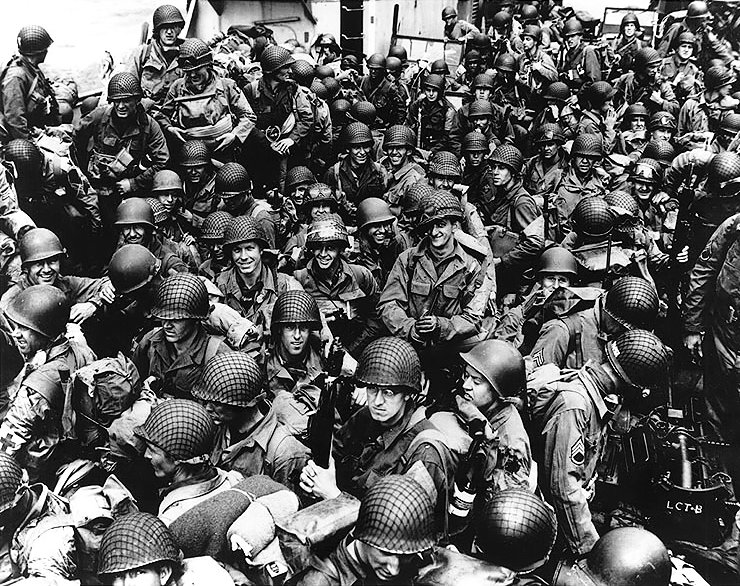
(321,423)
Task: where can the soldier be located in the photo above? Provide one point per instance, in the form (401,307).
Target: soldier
(249,438)
(176,353)
(28,100)
(729,129)
(199,185)
(431,116)
(477,174)
(356,176)
(601,118)
(645,85)
(32,428)
(389,435)
(381,243)
(627,43)
(347,294)
(176,226)
(395,72)
(578,63)
(202,105)
(120,146)
(178,436)
(571,415)
(573,340)
(297,181)
(155,63)
(379,90)
(39,538)
(662,126)
(632,138)
(543,172)
(328,50)
(700,115)
(555,96)
(394,526)
(399,144)
(503,38)
(234,187)
(249,285)
(497,126)
(41,258)
(535,67)
(508,91)
(212,238)
(679,69)
(456,29)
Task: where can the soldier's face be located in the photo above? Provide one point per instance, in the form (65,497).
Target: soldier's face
(360,154)
(481,123)
(501,175)
(294,338)
(583,165)
(528,42)
(223,414)
(247,257)
(432,94)
(572,41)
(168,34)
(27,341)
(326,254)
(377,74)
(482,93)
(319,209)
(386,566)
(44,272)
(176,330)
(629,30)
(135,234)
(163,465)
(233,202)
(197,78)
(125,108)
(643,190)
(397,155)
(549,149)
(439,182)
(685,51)
(475,158)
(151,575)
(168,199)
(440,233)
(194,174)
(386,404)
(282,74)
(299,195)
(637,124)
(661,134)
(551,282)
(381,234)
(477,389)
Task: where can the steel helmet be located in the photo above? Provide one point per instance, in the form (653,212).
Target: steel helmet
(332,86)
(376,61)
(324,72)
(159,211)
(25,155)
(448,11)
(399,135)
(686,38)
(639,358)
(600,92)
(440,67)
(718,76)
(637,110)
(232,378)
(232,179)
(482,81)
(632,302)
(645,57)
(516,530)
(182,428)
(647,171)
(356,134)
(587,145)
(415,194)
(390,362)
(557,91)
(723,167)
(660,150)
(297,176)
(275,57)
(296,307)
(697,9)
(303,72)
(363,111)
(439,205)
(194,54)
(42,308)
(434,81)
(592,217)
(320,193)
(508,156)
(133,541)
(400,52)
(167,15)
(479,42)
(396,516)
(123,86)
(327,230)
(319,88)
(39,244)
(181,296)
(548,132)
(373,210)
(131,267)
(166,180)
(623,201)
(327,40)
(500,363)
(630,18)
(393,64)
(245,229)
(572,27)
(557,260)
(532,30)
(662,120)
(11,482)
(194,153)
(134,210)
(444,164)
(628,556)
(214,225)
(529,12)
(480,109)
(501,19)
(475,142)
(33,39)
(730,123)
(505,62)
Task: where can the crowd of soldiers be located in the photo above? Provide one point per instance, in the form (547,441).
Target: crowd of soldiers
(284,314)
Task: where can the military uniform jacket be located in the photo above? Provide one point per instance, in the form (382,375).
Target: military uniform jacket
(28,100)
(386,99)
(399,182)
(201,199)
(273,107)
(380,262)
(631,90)
(571,416)
(180,498)
(155,74)
(455,296)
(355,185)
(580,66)
(570,191)
(540,181)
(433,122)
(684,77)
(592,123)
(75,289)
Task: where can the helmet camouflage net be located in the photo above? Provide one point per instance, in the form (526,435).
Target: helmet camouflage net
(390,362)
(214,226)
(244,229)
(633,302)
(639,358)
(327,229)
(181,296)
(231,378)
(296,307)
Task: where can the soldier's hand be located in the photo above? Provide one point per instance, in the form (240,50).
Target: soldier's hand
(225,141)
(656,98)
(79,312)
(426,325)
(282,146)
(177,133)
(124,187)
(107,292)
(693,345)
(683,256)
(319,481)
